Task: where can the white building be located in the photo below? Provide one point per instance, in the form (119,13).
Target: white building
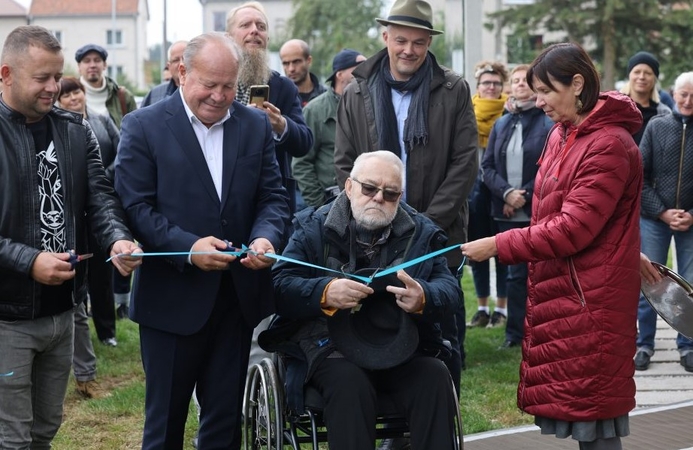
(12,15)
(121,32)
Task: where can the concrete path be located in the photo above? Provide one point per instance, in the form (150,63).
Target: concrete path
(666,381)
(661,420)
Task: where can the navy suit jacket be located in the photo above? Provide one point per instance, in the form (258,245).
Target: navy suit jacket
(169,196)
(298,139)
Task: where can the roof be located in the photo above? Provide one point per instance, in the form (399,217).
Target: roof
(81,7)
(10,8)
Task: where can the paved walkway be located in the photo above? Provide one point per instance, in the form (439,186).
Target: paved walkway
(662,420)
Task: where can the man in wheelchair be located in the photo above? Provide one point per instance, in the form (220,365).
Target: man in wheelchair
(353,341)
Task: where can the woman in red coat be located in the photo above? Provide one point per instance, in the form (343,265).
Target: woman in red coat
(582,246)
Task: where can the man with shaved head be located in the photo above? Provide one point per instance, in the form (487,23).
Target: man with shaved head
(296,60)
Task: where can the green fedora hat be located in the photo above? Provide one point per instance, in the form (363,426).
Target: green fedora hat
(411,13)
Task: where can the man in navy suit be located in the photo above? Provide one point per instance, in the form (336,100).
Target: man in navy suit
(247,26)
(195,172)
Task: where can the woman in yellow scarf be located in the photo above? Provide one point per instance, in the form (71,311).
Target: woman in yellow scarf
(489,102)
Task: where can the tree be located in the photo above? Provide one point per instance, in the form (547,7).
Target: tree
(612,30)
(329,27)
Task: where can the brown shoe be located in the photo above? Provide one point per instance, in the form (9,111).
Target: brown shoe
(90,389)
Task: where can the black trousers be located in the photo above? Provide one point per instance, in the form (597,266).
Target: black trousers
(420,387)
(215,359)
(100,283)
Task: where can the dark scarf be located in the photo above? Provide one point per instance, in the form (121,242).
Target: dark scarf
(416,125)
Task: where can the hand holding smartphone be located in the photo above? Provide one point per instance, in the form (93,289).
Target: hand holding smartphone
(259,94)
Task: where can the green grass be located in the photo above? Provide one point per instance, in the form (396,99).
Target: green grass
(487,399)
(488,387)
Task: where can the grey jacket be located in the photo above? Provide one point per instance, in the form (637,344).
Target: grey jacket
(441,174)
(89,199)
(667,154)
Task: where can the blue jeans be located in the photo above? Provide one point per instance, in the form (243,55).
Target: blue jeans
(516,284)
(34,371)
(655,239)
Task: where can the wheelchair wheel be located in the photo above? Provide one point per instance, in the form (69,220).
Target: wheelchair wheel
(459,435)
(263,422)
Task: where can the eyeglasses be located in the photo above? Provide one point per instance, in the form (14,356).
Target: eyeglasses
(491,83)
(371,191)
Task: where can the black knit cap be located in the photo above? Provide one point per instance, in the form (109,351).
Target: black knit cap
(644,58)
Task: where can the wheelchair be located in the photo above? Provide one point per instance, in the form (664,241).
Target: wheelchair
(267,425)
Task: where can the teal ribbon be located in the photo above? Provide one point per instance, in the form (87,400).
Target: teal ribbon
(8,374)
(243,250)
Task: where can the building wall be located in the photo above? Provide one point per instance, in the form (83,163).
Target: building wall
(77,31)
(8,24)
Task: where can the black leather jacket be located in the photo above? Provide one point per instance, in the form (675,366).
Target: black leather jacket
(88,196)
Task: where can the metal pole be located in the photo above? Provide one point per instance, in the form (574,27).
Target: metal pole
(164,45)
(112,62)
(473,29)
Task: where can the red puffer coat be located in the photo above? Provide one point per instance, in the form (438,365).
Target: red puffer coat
(583,248)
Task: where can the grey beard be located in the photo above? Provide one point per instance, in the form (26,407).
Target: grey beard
(254,68)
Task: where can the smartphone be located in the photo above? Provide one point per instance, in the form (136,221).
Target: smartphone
(259,94)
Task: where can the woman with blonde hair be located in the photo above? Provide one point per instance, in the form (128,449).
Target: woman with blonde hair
(489,103)
(641,87)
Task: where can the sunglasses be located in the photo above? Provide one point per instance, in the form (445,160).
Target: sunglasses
(370,191)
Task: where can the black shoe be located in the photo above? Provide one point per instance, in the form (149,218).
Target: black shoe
(687,362)
(395,444)
(642,360)
(508,344)
(497,320)
(123,312)
(479,319)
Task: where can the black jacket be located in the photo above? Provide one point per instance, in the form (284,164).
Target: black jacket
(321,240)
(88,197)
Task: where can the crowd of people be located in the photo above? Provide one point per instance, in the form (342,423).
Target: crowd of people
(570,189)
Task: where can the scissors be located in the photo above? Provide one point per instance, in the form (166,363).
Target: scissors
(75,258)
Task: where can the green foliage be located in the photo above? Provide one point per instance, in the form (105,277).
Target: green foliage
(612,30)
(329,27)
(125,82)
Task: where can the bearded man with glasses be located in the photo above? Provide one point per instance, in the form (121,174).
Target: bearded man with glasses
(367,228)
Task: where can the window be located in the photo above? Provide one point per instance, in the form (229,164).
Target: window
(219,21)
(114,37)
(115,71)
(58,35)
